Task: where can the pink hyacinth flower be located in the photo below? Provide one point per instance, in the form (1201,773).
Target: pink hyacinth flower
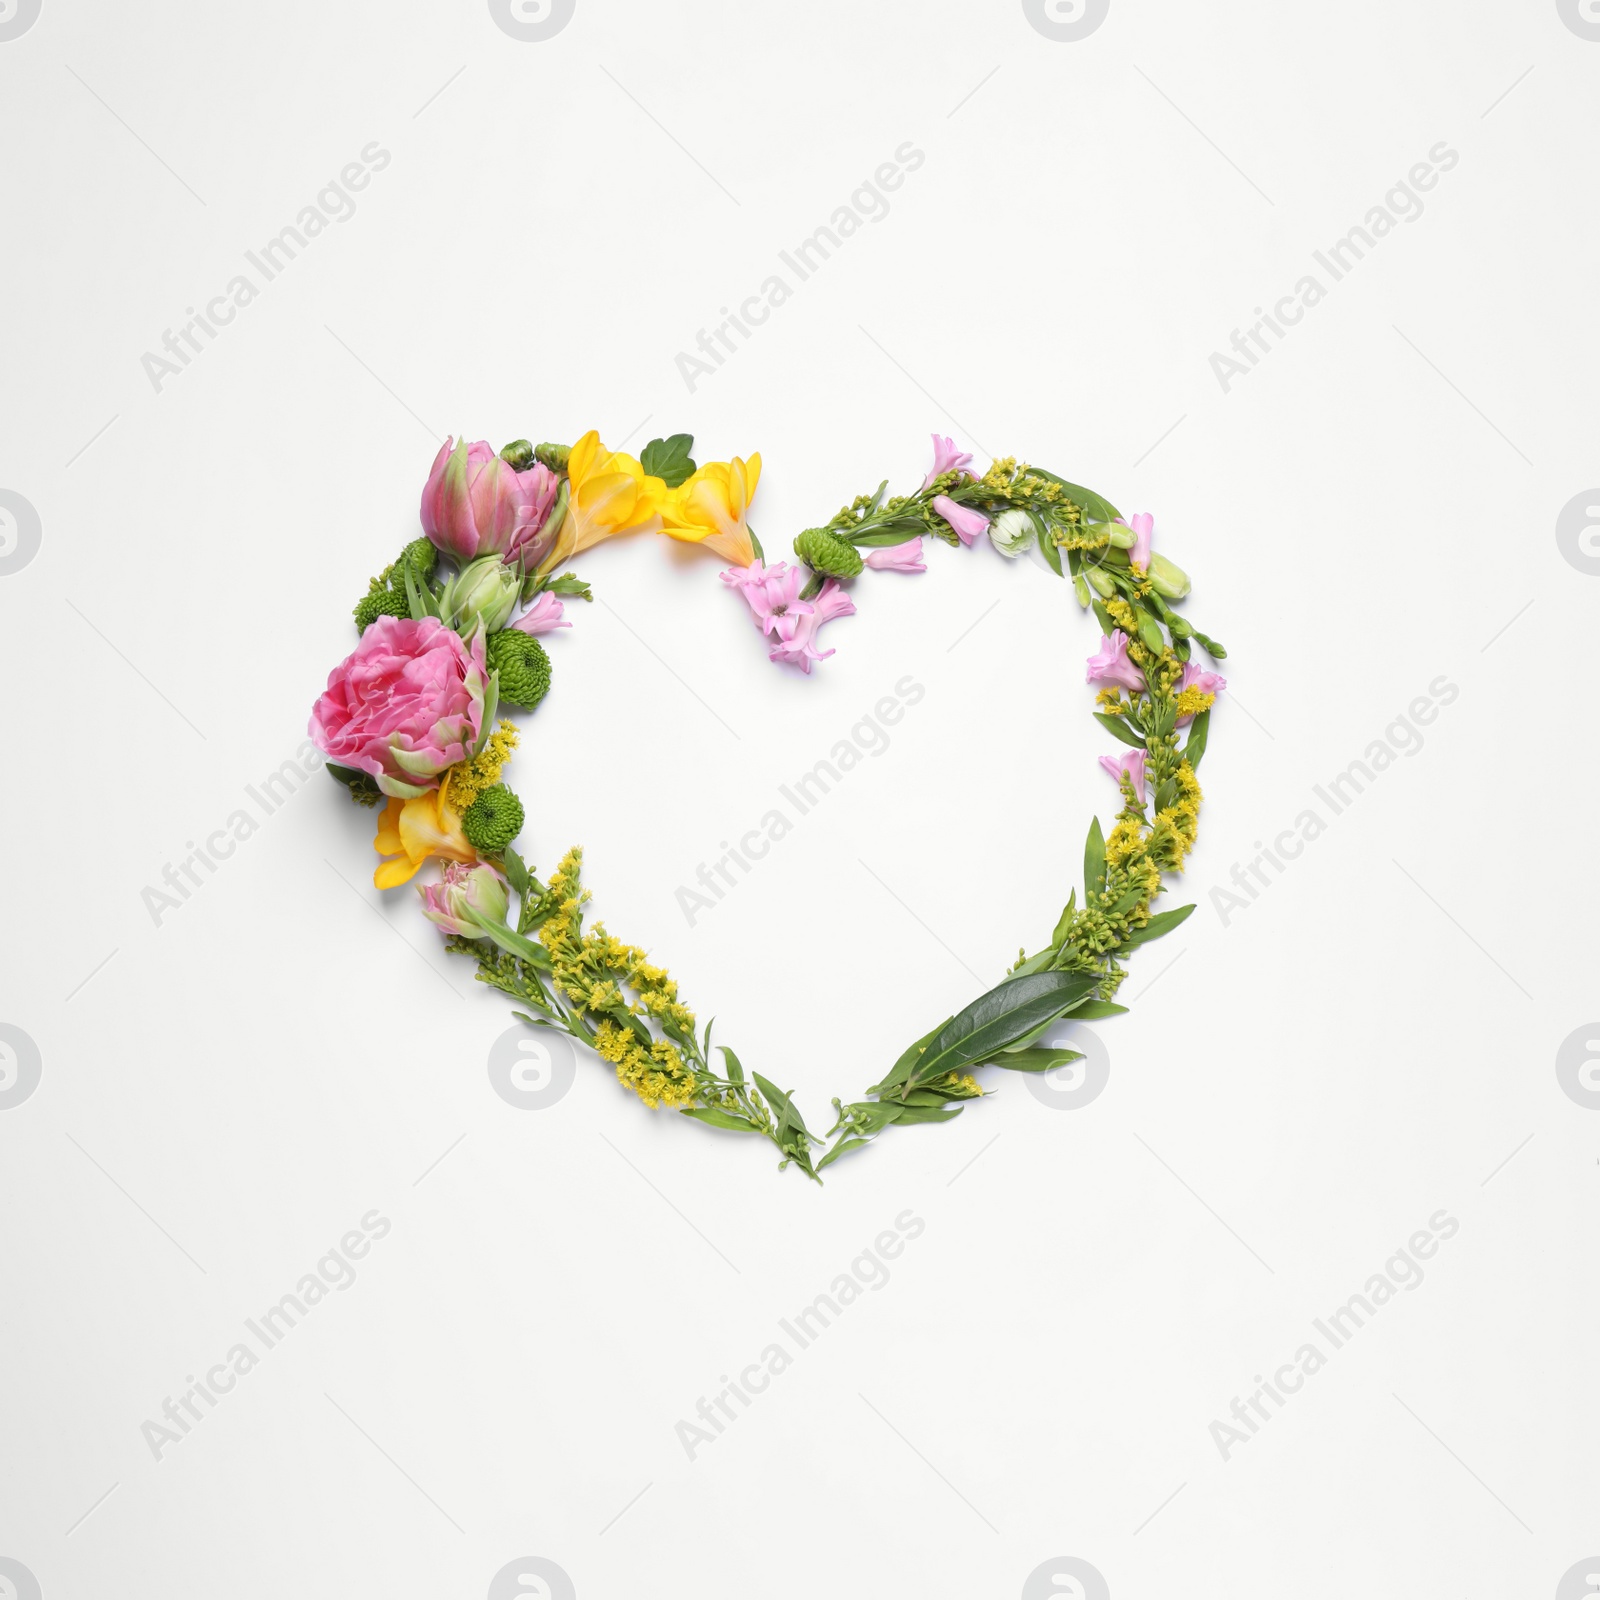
(905,557)
(946,458)
(1144,528)
(1131,762)
(967,523)
(796,643)
(772,593)
(1196,677)
(543,616)
(1110,664)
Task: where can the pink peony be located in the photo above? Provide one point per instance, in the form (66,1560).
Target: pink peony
(967,523)
(772,593)
(474,504)
(1131,762)
(405,704)
(905,557)
(1110,663)
(463,889)
(946,458)
(797,635)
(543,616)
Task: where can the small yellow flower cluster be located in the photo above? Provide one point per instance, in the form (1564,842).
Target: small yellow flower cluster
(591,969)
(467,779)
(962,1084)
(655,1072)
(1123,840)
(1121,613)
(1192,701)
(1176,827)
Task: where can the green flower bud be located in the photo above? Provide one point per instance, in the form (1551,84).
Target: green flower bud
(1101,583)
(493,820)
(1121,538)
(827,555)
(523,666)
(380,603)
(554,456)
(485,590)
(1168,580)
(518,455)
(1081,589)
(1011,532)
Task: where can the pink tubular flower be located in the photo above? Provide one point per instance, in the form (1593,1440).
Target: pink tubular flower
(462,889)
(1131,762)
(946,458)
(905,557)
(772,593)
(1144,527)
(543,616)
(405,704)
(474,504)
(967,523)
(797,636)
(1196,677)
(1110,663)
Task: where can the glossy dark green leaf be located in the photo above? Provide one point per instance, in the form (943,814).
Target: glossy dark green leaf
(1008,1012)
(1099,509)
(669,459)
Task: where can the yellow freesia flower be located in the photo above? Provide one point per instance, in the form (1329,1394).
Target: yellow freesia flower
(710,508)
(610,494)
(410,831)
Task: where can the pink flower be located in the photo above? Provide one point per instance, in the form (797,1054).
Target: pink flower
(1196,677)
(946,458)
(797,636)
(772,593)
(1110,663)
(405,704)
(474,504)
(905,557)
(1131,762)
(465,889)
(1144,527)
(967,523)
(543,616)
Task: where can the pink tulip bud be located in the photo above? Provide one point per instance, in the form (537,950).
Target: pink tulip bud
(474,504)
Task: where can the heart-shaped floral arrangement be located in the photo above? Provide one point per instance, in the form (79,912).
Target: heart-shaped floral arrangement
(450,636)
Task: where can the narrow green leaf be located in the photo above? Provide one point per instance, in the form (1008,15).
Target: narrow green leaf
(719,1119)
(1008,1012)
(844,1147)
(1119,726)
(1094,862)
(1196,746)
(1044,1059)
(1097,506)
(731,1061)
(516,872)
(1091,1010)
(1066,921)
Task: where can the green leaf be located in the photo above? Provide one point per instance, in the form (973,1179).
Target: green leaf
(844,1147)
(882,536)
(909,1057)
(669,459)
(1150,634)
(718,1119)
(1065,921)
(1094,862)
(1196,746)
(731,1061)
(1092,1010)
(1119,726)
(1103,617)
(1044,1059)
(1048,547)
(512,943)
(570,583)
(516,873)
(1007,1013)
(1162,922)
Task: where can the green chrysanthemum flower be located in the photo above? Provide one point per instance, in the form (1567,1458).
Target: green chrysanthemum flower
(421,556)
(523,666)
(493,820)
(381,603)
(833,558)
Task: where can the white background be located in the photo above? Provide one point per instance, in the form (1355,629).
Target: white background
(1296,1090)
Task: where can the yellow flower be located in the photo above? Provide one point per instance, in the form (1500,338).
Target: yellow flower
(412,830)
(710,508)
(610,494)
